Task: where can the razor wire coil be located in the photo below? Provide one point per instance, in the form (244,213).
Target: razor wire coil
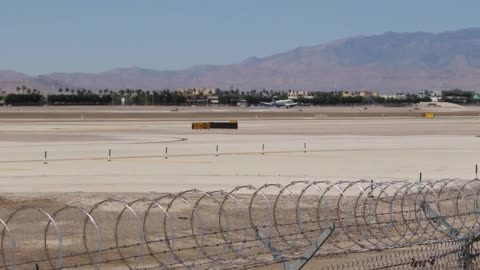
(221,229)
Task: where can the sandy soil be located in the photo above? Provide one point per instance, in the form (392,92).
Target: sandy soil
(348,148)
(385,144)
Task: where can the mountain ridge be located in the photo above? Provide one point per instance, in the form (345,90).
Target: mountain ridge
(385,62)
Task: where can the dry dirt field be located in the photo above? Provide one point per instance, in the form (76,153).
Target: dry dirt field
(377,143)
(349,148)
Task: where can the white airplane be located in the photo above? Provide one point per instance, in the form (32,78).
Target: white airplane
(287,103)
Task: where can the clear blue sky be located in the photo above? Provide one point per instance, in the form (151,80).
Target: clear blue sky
(38,37)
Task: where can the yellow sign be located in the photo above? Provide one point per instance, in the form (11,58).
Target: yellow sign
(201,125)
(428,115)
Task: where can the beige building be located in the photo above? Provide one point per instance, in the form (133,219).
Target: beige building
(347,93)
(368,94)
(299,94)
(194,92)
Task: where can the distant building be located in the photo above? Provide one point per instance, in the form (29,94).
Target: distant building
(347,93)
(213,100)
(476,98)
(299,95)
(364,93)
(193,92)
(457,96)
(436,96)
(368,94)
(437,93)
(399,96)
(425,94)
(200,95)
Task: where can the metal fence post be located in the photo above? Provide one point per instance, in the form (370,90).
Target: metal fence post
(465,256)
(307,255)
(465,260)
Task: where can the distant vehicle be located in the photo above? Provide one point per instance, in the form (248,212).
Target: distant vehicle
(287,103)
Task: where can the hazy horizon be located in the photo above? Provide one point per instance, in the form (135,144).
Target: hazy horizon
(90,36)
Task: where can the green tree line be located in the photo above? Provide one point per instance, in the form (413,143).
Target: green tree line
(66,96)
(90,99)
(23,99)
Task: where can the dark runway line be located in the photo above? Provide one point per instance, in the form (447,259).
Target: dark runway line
(176,139)
(162,156)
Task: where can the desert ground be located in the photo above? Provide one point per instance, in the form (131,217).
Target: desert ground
(154,151)
(337,148)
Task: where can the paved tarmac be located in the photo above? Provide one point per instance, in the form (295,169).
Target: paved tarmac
(388,148)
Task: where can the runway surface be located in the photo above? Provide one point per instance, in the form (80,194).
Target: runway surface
(378,148)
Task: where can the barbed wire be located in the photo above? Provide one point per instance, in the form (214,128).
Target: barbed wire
(197,228)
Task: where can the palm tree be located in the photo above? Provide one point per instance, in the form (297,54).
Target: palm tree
(60,90)
(146,96)
(23,89)
(18,89)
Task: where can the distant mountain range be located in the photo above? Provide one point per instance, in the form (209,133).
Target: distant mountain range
(386,62)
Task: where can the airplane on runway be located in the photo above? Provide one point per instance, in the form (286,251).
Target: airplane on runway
(287,103)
